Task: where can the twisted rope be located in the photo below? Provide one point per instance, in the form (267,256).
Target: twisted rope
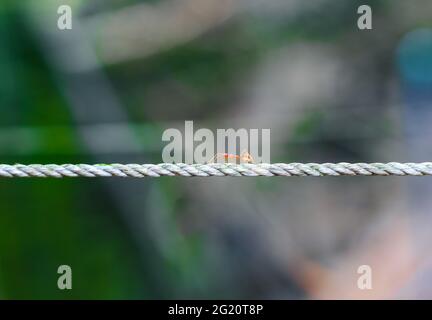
(216,169)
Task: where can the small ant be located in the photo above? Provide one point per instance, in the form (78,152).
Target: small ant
(243,157)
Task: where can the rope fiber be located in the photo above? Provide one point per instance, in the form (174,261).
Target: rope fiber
(215,170)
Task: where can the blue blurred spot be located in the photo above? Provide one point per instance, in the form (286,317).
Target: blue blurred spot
(415,57)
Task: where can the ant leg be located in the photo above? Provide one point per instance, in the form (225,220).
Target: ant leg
(247,157)
(251,159)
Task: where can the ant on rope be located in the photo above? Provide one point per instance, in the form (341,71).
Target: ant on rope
(244,157)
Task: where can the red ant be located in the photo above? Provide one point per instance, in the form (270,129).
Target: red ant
(243,157)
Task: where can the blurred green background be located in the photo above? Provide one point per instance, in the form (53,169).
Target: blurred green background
(104,92)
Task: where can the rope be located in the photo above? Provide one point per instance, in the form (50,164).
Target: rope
(216,169)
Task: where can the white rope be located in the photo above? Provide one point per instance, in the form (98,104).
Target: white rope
(216,169)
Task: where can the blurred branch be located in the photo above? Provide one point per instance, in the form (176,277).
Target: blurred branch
(142,30)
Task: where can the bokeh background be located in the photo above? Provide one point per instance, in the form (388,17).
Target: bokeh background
(104,92)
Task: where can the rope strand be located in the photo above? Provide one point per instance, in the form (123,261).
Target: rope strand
(215,170)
